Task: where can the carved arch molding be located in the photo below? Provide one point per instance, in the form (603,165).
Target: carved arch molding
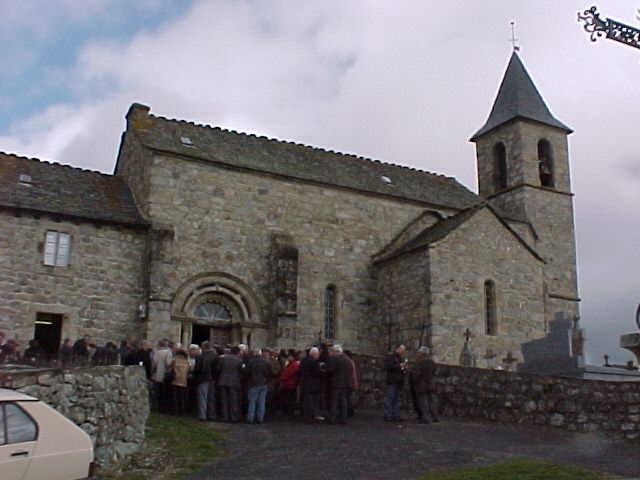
(218,287)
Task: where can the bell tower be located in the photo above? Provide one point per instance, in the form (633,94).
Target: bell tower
(523,171)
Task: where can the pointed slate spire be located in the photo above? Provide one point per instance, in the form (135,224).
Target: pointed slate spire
(518,97)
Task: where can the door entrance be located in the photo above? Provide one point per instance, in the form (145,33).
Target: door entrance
(48,332)
(215,335)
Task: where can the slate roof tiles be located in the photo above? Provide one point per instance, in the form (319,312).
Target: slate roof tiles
(67,191)
(299,162)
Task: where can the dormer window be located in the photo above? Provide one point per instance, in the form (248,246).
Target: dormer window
(24,178)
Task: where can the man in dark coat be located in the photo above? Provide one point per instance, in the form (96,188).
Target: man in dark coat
(230,383)
(311,379)
(140,356)
(423,381)
(257,373)
(339,375)
(204,372)
(81,350)
(395,367)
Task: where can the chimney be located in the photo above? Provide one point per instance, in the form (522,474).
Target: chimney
(138,117)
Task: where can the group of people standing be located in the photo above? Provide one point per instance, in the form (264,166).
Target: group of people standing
(422,385)
(235,384)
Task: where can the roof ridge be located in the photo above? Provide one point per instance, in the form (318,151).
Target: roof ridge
(53,163)
(298,144)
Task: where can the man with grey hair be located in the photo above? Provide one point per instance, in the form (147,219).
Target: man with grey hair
(258,372)
(422,378)
(339,373)
(311,377)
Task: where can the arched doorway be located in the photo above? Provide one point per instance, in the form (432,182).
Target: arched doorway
(213,323)
(219,308)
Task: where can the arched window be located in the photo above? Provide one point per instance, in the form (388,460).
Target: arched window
(490,314)
(329,311)
(499,167)
(545,164)
(211,311)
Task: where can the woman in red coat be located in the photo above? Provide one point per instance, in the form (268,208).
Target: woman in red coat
(289,384)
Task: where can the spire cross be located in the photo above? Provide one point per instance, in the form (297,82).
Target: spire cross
(513,39)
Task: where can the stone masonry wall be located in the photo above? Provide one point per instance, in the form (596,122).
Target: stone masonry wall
(224,221)
(97,294)
(573,404)
(479,250)
(111,404)
(550,210)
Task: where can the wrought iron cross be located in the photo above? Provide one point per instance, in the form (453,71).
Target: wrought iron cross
(513,36)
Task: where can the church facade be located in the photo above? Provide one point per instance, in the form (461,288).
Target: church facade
(208,234)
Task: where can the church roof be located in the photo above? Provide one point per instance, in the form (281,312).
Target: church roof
(296,161)
(443,228)
(518,97)
(33,185)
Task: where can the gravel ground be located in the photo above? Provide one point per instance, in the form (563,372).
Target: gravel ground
(369,448)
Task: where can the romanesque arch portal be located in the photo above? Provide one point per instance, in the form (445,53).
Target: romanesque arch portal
(220,308)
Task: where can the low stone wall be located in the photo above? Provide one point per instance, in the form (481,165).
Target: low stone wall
(574,404)
(110,403)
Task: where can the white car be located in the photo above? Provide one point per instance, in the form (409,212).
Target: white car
(38,443)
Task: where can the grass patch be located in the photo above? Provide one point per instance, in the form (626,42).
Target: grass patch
(521,469)
(174,447)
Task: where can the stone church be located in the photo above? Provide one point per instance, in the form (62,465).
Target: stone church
(209,234)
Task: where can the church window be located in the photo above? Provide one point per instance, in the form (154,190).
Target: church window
(212,311)
(499,167)
(56,249)
(545,164)
(329,311)
(490,314)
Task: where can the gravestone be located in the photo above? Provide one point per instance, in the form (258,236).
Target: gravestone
(559,353)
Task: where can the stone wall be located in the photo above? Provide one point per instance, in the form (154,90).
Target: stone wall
(573,404)
(111,404)
(549,210)
(477,251)
(98,293)
(225,221)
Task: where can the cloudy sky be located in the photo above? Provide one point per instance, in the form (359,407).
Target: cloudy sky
(403,81)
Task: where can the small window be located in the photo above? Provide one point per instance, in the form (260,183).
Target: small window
(545,164)
(329,311)
(56,249)
(499,167)
(490,314)
(15,425)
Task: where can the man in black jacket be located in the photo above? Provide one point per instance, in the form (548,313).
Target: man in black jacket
(396,367)
(204,376)
(311,377)
(424,384)
(339,373)
(257,373)
(230,383)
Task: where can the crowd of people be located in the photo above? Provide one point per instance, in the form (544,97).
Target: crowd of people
(234,383)
(82,352)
